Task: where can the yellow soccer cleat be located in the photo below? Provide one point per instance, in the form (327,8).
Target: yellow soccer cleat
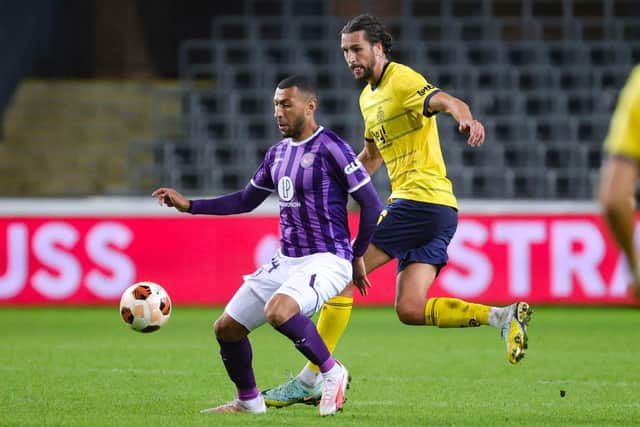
(514,331)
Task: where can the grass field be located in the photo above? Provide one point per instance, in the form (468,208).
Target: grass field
(82,366)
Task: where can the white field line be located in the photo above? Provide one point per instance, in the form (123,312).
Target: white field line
(100,370)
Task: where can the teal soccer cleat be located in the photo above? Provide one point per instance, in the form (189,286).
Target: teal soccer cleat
(293,391)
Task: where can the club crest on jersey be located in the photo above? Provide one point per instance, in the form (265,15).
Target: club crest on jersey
(307,160)
(352,167)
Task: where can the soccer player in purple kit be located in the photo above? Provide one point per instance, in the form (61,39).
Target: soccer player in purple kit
(313,171)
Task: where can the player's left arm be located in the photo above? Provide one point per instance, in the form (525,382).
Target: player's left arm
(459,110)
(370,208)
(350,174)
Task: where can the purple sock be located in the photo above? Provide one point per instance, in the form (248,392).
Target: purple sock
(301,330)
(237,357)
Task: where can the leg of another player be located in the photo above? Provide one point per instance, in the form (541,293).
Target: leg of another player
(335,313)
(616,196)
(237,356)
(414,308)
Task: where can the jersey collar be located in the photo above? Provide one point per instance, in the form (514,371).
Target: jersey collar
(304,141)
(375,86)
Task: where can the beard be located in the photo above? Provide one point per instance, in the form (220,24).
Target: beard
(295,129)
(366,74)
(367,71)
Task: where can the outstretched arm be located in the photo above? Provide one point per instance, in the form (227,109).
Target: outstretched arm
(233,203)
(459,110)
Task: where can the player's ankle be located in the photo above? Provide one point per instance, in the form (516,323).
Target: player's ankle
(308,377)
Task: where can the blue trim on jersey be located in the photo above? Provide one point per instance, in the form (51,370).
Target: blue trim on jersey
(425,108)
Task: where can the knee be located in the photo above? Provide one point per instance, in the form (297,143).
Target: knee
(275,316)
(219,329)
(279,309)
(226,329)
(410,314)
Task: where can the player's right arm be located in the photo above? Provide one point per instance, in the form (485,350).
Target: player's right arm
(234,203)
(246,200)
(370,157)
(459,110)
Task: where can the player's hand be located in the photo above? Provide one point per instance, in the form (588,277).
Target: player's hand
(474,129)
(360,279)
(171,198)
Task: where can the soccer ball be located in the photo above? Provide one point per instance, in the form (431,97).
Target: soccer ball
(145,306)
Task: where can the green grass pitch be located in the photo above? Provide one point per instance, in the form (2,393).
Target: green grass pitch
(84,367)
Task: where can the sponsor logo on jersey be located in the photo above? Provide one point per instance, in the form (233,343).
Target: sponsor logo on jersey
(352,167)
(424,90)
(286,193)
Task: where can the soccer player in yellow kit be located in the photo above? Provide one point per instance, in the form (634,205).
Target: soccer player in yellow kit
(399,106)
(620,172)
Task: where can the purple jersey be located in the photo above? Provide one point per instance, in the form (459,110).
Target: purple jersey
(313,179)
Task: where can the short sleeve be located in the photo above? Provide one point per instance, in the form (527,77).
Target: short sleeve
(415,92)
(348,168)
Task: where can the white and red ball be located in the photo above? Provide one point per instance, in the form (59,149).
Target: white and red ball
(145,306)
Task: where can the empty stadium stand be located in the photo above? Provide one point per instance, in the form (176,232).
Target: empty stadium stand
(542,75)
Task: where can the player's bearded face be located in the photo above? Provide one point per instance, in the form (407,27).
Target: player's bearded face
(289,112)
(366,70)
(359,55)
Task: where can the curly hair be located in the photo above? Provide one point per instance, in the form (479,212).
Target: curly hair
(374,31)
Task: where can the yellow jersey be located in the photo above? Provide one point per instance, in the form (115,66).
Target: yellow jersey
(406,135)
(624,131)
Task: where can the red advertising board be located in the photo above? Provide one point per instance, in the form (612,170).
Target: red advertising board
(545,258)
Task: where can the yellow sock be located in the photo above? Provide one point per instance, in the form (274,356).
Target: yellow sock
(334,318)
(455,313)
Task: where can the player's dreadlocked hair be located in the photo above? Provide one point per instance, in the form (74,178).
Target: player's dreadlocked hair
(304,85)
(374,31)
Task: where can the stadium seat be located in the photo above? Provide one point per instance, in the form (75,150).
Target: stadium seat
(483,54)
(553,128)
(536,78)
(612,77)
(439,54)
(563,155)
(577,78)
(491,183)
(523,154)
(533,183)
(434,30)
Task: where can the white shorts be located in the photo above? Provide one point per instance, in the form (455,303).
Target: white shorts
(310,280)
